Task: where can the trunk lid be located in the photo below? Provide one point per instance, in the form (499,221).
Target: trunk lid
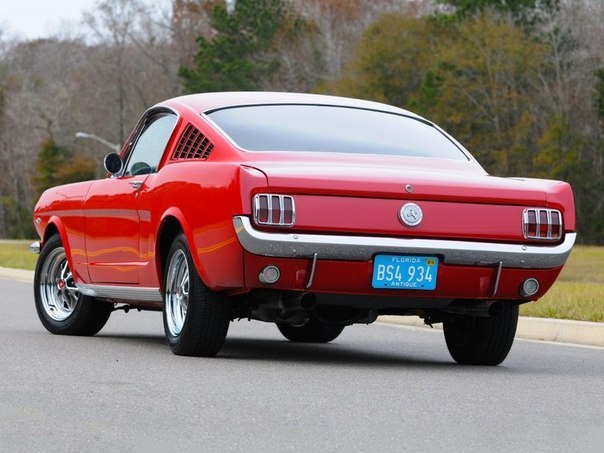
(429,179)
(364,196)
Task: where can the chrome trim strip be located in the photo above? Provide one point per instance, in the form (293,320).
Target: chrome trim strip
(121,292)
(257,209)
(360,248)
(281,210)
(269,206)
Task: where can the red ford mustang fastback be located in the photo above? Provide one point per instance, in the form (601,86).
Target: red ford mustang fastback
(312,212)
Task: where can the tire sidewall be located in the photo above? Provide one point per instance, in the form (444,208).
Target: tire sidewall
(481,340)
(76,322)
(175,340)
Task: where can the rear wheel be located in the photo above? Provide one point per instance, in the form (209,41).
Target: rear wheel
(196,319)
(473,340)
(313,331)
(61,307)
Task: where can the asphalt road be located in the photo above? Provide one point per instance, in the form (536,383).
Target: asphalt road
(376,388)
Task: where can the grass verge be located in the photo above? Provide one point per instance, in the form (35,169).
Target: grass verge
(16,254)
(578,294)
(579,291)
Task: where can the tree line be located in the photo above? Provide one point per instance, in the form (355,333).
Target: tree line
(519,82)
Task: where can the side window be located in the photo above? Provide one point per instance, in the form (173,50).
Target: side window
(150,146)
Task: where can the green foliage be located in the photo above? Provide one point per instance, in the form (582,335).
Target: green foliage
(50,158)
(56,165)
(524,12)
(241,54)
(79,168)
(474,78)
(558,151)
(17,222)
(390,60)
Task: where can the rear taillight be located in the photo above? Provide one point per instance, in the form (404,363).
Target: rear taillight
(274,210)
(542,224)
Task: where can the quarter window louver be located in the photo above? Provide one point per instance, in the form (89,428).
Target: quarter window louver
(193,145)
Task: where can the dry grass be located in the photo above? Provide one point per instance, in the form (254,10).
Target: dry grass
(16,254)
(578,294)
(579,291)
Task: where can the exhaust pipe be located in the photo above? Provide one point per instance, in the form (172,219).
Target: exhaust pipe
(480,309)
(308,301)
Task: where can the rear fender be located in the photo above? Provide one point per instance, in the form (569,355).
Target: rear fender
(176,214)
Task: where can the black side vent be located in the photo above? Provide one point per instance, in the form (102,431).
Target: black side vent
(193,145)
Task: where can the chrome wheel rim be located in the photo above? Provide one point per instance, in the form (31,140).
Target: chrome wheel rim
(177,293)
(58,292)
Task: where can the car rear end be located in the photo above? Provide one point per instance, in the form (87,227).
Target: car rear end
(348,235)
(382,204)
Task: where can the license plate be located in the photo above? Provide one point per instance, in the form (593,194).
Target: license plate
(405,272)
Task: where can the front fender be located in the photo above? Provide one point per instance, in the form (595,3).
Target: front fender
(76,255)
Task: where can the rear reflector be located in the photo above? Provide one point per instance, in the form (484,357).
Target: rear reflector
(274,210)
(542,224)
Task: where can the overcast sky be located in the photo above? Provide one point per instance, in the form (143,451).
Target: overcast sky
(31,19)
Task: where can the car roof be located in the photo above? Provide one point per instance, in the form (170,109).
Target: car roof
(205,102)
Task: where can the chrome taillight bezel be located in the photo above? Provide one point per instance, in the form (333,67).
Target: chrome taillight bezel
(283,204)
(542,224)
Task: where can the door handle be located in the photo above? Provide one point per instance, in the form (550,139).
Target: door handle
(136,184)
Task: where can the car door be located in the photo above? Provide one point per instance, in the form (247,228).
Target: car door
(112,207)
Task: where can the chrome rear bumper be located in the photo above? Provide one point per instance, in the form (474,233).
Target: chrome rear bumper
(361,248)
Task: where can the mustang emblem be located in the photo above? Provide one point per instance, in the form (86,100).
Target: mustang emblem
(411,214)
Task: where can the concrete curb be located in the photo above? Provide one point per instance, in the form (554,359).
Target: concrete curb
(542,329)
(19,275)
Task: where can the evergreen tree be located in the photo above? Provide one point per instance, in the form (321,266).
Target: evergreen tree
(57,165)
(241,54)
(51,158)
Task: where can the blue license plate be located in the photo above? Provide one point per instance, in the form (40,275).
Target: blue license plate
(405,272)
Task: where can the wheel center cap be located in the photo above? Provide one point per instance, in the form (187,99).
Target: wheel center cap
(61,284)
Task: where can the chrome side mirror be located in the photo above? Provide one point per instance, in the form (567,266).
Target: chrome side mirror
(113,163)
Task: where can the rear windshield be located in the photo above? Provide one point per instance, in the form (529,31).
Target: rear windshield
(333,129)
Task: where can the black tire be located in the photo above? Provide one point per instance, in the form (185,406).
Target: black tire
(481,340)
(313,331)
(62,309)
(196,319)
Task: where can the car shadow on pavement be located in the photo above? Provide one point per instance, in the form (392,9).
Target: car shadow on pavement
(279,351)
(320,354)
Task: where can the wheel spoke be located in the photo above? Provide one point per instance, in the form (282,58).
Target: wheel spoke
(59,295)
(177,292)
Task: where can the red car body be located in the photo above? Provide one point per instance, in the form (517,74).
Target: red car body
(332,213)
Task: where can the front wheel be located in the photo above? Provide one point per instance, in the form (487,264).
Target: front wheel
(196,319)
(473,340)
(313,331)
(62,309)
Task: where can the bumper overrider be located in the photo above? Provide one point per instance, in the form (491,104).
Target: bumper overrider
(364,248)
